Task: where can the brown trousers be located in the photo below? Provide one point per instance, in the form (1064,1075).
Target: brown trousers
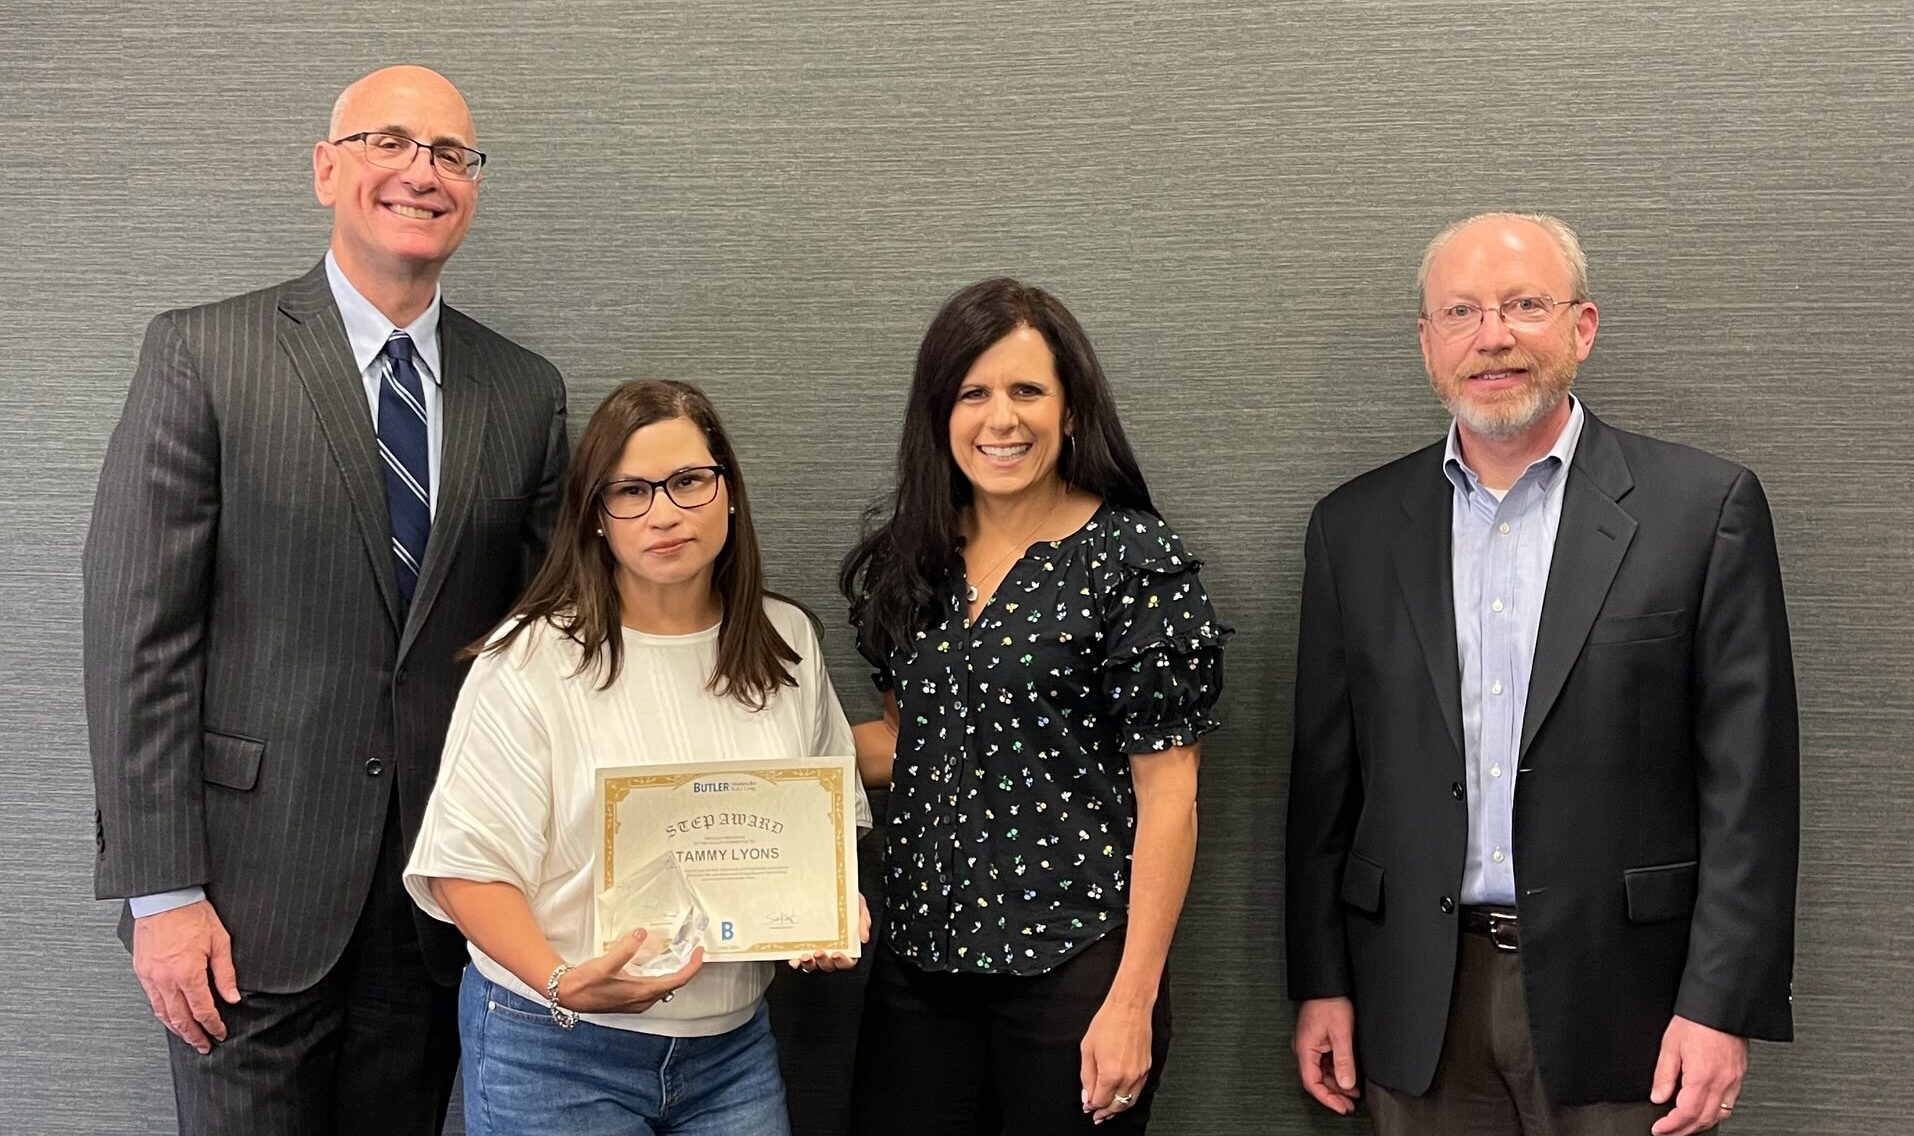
(1486,1083)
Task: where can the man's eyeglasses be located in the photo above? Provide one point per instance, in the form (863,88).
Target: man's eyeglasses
(396,152)
(629,498)
(1523,313)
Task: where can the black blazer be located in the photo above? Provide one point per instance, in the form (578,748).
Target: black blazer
(1656,801)
(253,696)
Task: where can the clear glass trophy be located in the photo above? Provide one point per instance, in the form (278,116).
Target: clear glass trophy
(656,896)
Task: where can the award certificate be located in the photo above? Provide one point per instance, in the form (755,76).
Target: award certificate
(769,849)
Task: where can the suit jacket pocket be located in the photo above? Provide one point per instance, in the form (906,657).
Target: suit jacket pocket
(1665,891)
(231,760)
(1362,883)
(1635,628)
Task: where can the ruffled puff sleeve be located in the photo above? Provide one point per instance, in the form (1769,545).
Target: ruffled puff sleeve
(1163,661)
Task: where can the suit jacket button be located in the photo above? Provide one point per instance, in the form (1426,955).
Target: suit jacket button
(374,767)
(1448,906)
(398,677)
(1455,790)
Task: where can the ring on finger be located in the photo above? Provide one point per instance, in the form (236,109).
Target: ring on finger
(1123,1100)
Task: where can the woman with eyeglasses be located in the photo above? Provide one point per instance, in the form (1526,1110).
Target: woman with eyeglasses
(1048,661)
(647,638)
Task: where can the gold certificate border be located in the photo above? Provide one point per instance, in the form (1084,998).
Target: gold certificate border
(830,778)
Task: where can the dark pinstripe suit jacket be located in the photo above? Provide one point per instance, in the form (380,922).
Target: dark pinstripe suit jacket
(253,695)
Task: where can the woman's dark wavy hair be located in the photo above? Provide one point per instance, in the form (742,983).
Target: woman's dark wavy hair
(576,589)
(897,576)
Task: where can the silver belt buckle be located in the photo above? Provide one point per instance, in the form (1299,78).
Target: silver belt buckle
(1503,932)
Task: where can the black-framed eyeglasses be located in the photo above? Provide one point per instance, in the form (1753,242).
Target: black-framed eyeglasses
(1519,313)
(628,498)
(397,152)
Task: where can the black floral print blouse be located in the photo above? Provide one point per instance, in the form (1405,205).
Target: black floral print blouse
(1012,814)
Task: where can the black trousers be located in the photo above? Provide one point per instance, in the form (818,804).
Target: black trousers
(371,1050)
(984,1054)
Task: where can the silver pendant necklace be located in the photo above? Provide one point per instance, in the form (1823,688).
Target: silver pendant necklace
(970,590)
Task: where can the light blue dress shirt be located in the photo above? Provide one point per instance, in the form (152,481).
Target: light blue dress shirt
(1502,545)
(367,329)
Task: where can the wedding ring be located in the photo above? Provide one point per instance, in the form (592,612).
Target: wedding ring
(1122,1101)
(1727,1108)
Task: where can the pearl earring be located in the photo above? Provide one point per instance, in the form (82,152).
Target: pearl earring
(601,532)
(734,510)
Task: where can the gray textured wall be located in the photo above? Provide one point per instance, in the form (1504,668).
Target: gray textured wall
(771,200)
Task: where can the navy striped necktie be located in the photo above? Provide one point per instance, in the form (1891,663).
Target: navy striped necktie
(408,473)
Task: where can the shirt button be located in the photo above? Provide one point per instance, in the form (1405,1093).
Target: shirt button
(1498,856)
(1495,771)
(1455,790)
(1448,905)
(374,767)
(1496,606)
(1497,688)
(1503,528)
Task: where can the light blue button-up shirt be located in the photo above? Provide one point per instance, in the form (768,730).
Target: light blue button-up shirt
(1502,545)
(367,329)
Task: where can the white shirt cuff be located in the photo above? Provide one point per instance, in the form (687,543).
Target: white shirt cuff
(144,905)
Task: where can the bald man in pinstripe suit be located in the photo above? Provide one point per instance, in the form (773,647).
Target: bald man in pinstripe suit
(317,494)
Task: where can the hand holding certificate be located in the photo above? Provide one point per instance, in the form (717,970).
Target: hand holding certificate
(753,860)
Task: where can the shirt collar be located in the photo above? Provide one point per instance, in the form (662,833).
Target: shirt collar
(1558,457)
(367,328)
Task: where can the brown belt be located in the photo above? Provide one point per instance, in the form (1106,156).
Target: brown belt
(1497,924)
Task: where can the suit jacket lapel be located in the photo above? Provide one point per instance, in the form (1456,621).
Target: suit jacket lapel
(1590,542)
(314,339)
(463,401)
(1425,569)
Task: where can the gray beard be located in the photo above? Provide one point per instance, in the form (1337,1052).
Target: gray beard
(1510,419)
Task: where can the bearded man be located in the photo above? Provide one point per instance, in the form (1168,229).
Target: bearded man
(1543,812)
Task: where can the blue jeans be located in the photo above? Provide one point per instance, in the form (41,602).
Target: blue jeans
(525,1075)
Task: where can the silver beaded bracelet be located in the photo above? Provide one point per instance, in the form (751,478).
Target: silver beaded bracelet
(565,1018)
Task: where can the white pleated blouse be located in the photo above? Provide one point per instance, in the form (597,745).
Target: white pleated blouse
(514,798)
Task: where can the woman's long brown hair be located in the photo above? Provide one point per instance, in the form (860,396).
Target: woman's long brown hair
(576,589)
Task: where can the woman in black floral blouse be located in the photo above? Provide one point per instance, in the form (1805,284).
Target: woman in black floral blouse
(1048,660)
